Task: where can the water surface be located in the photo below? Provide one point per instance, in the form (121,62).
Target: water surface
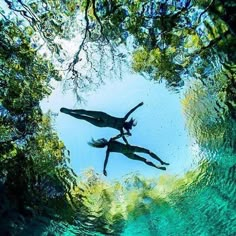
(178,57)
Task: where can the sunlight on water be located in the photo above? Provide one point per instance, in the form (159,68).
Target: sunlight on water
(178,57)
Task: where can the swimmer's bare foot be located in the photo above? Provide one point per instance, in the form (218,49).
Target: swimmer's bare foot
(161,167)
(164,163)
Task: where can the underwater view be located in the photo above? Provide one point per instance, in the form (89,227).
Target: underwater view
(117,117)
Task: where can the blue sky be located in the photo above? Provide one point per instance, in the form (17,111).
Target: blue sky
(160,127)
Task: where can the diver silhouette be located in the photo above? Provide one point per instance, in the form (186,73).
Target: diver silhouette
(102,119)
(127,150)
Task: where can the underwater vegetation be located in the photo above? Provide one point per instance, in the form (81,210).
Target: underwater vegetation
(190,45)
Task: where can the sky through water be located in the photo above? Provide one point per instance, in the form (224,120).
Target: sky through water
(160,126)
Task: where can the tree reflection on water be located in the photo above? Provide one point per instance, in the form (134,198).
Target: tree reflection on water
(188,44)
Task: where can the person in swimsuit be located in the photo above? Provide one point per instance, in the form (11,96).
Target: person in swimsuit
(127,150)
(102,119)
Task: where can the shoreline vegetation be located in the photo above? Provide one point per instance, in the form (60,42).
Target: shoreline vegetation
(187,44)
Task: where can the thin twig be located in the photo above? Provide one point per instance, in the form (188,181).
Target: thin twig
(206,9)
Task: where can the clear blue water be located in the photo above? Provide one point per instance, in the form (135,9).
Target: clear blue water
(178,57)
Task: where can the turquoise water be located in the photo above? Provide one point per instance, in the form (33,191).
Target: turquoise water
(178,57)
(205,207)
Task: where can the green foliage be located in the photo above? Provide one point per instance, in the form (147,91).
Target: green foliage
(210,111)
(156,64)
(184,33)
(100,204)
(50,18)
(25,75)
(171,41)
(34,175)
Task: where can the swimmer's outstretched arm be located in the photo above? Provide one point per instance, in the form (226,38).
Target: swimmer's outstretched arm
(105,162)
(122,134)
(132,110)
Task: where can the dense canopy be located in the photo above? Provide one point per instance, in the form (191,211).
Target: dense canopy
(190,45)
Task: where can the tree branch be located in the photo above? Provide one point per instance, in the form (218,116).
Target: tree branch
(76,57)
